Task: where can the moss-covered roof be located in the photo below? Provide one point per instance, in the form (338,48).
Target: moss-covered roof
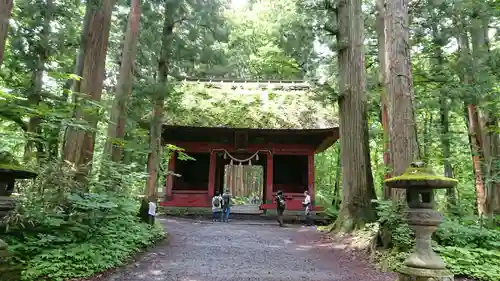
(419,176)
(10,167)
(195,105)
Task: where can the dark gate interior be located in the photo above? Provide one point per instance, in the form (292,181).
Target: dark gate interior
(194,173)
(290,173)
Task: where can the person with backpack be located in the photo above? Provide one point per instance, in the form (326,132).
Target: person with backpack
(308,207)
(216,206)
(280,206)
(226,206)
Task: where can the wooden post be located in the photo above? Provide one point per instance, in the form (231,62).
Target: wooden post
(269,179)
(310,176)
(170,179)
(211,175)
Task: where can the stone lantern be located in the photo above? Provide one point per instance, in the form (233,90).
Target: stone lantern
(420,182)
(9,172)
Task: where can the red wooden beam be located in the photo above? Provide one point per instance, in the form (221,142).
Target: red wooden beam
(285,149)
(310,176)
(170,178)
(211,175)
(269,179)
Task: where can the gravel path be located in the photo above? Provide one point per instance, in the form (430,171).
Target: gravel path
(242,251)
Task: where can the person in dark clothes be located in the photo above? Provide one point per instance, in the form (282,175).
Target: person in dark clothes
(280,206)
(226,206)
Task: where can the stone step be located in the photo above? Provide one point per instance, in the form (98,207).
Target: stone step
(246,209)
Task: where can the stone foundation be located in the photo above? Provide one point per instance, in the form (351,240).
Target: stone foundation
(10,273)
(7,204)
(8,270)
(422,274)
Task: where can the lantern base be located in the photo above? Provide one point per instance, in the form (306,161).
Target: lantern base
(9,271)
(407,273)
(7,204)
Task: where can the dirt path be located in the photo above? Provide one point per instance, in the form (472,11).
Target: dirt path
(237,252)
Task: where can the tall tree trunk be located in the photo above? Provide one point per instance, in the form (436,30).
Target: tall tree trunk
(81,150)
(116,128)
(439,42)
(358,190)
(35,97)
(403,139)
(69,136)
(477,115)
(155,137)
(494,169)
(445,145)
(384,114)
(426,136)
(487,111)
(336,190)
(5,12)
(471,114)
(474,131)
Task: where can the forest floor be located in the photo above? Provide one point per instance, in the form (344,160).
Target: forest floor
(237,251)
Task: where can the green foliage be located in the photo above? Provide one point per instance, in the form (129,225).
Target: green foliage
(463,234)
(390,216)
(467,248)
(60,234)
(478,263)
(195,104)
(282,39)
(470,249)
(96,232)
(392,260)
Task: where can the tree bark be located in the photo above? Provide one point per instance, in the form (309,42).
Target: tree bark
(478,116)
(155,142)
(358,190)
(116,127)
(69,136)
(5,13)
(403,140)
(426,136)
(445,144)
(336,190)
(487,112)
(81,149)
(472,119)
(494,192)
(383,93)
(35,97)
(439,42)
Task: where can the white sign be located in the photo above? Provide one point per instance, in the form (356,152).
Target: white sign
(152,209)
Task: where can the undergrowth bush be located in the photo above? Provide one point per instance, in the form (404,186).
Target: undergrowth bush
(62,234)
(468,248)
(325,201)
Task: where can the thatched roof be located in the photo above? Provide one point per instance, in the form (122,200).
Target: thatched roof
(234,84)
(320,139)
(10,167)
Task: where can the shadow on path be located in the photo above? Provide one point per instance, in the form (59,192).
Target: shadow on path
(237,252)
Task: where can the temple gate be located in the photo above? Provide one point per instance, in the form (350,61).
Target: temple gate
(253,164)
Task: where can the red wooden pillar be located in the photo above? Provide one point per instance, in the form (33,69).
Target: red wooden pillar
(310,175)
(269,179)
(170,178)
(211,175)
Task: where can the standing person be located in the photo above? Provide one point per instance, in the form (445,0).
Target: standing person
(226,206)
(308,207)
(280,206)
(216,206)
